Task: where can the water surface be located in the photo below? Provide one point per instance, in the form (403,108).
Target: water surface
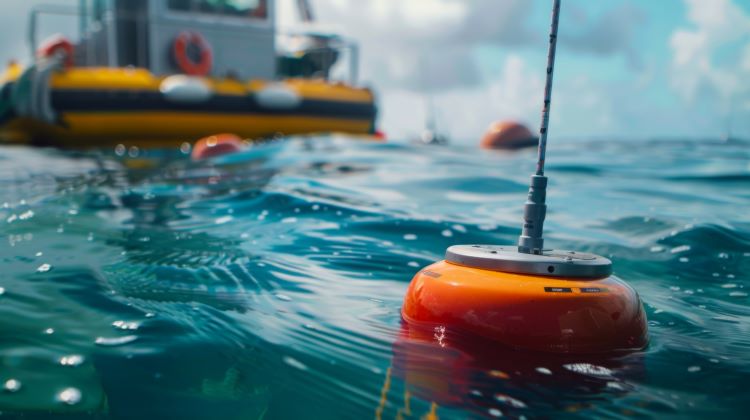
(268,284)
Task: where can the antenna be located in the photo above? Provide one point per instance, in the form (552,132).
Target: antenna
(535,209)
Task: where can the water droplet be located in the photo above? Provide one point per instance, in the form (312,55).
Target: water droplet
(283,297)
(49,331)
(413,264)
(185,148)
(510,401)
(125,325)
(43,268)
(410,237)
(615,385)
(133,151)
(447,233)
(499,374)
(494,412)
(289,220)
(2,291)
(294,363)
(316,207)
(684,259)
(39,254)
(544,371)
(72,360)
(223,219)
(26,215)
(120,150)
(459,228)
(723,255)
(738,294)
(588,369)
(729,286)
(115,341)
(693,369)
(150,315)
(12,385)
(656,249)
(69,396)
(681,248)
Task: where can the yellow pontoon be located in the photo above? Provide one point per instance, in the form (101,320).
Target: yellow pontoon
(160,72)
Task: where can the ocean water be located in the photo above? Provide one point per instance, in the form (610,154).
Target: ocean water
(268,284)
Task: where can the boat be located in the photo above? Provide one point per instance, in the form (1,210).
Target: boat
(157,73)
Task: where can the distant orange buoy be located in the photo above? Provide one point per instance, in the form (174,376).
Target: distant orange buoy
(507,135)
(216,145)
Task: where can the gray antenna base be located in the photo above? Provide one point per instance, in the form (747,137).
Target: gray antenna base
(550,263)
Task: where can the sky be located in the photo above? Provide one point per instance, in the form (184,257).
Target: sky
(637,69)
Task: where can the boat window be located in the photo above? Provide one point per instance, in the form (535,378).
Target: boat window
(252,8)
(244,8)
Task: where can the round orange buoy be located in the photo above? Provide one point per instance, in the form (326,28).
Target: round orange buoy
(534,305)
(507,135)
(216,145)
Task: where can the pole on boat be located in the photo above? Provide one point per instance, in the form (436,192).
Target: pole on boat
(535,209)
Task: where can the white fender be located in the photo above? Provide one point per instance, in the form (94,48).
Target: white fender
(278,96)
(185,89)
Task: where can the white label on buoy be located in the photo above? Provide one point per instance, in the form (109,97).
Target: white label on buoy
(278,96)
(185,89)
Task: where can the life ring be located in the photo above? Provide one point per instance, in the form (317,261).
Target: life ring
(54,45)
(185,62)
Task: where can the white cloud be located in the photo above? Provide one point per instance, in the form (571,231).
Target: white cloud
(697,72)
(612,33)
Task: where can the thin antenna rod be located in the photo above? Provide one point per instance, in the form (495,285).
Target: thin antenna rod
(535,209)
(548,88)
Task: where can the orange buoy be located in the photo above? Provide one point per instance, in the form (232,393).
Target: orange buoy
(216,145)
(507,135)
(592,312)
(528,296)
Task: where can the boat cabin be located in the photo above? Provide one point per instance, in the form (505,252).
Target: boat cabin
(213,38)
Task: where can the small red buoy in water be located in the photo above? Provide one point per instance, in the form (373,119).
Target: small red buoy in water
(216,145)
(507,135)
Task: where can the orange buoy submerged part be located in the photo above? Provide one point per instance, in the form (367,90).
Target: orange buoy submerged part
(507,135)
(216,145)
(528,310)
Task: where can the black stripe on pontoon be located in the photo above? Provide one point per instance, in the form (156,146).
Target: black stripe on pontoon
(122,100)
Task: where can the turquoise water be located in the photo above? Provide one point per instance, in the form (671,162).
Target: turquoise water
(268,284)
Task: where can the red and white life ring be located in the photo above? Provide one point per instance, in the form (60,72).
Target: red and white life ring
(54,45)
(187,64)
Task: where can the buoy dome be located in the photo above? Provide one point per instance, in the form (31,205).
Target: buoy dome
(507,135)
(216,145)
(526,311)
